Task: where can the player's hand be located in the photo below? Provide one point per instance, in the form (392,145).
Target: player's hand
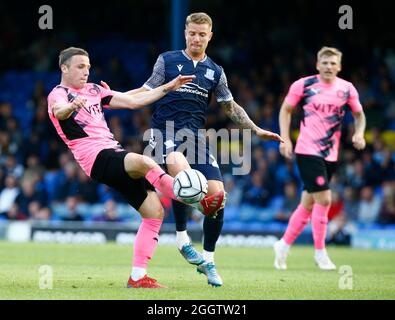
(104,85)
(268,135)
(358,141)
(78,103)
(178,82)
(286,149)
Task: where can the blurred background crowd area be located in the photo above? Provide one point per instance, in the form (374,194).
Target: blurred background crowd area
(39,178)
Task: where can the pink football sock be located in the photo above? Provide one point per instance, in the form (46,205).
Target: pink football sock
(299,218)
(146,241)
(319,221)
(161,181)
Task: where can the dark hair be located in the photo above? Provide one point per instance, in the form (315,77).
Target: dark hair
(66,54)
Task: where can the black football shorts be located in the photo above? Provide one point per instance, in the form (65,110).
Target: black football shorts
(109,169)
(315,172)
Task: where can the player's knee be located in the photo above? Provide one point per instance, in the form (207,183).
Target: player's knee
(323,200)
(176,162)
(157,209)
(308,206)
(326,202)
(152,207)
(155,212)
(214,186)
(307,201)
(160,212)
(137,165)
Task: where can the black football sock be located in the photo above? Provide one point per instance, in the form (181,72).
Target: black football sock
(212,229)
(181,214)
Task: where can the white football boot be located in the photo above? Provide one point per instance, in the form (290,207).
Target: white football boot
(322,260)
(280,255)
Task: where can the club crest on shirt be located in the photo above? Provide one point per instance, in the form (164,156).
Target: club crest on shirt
(344,95)
(209,74)
(94,90)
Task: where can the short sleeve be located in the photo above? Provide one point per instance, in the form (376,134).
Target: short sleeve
(353,100)
(295,93)
(158,75)
(58,95)
(106,95)
(222,92)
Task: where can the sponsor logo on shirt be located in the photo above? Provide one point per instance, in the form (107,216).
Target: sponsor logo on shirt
(194,89)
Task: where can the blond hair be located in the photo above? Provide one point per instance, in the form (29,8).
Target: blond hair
(199,18)
(329,51)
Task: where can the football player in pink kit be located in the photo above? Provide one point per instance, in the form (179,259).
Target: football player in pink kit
(324,97)
(75,109)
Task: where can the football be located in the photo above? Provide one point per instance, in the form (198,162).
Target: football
(190,186)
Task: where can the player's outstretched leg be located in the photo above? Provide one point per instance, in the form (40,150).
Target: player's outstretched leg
(146,242)
(183,241)
(212,229)
(164,183)
(209,269)
(323,261)
(299,218)
(319,223)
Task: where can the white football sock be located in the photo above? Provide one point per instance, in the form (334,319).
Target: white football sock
(208,256)
(182,239)
(138,273)
(320,253)
(284,246)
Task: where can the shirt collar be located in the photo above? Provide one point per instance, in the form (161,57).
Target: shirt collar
(189,58)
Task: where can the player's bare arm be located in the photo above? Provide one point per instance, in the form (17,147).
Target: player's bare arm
(239,116)
(62,111)
(285,115)
(130,92)
(141,99)
(358,139)
(138,90)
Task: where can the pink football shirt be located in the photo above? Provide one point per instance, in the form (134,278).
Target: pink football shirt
(324,109)
(85,132)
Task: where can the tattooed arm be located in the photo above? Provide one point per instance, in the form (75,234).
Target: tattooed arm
(239,116)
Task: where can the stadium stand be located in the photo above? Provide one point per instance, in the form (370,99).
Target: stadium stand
(259,73)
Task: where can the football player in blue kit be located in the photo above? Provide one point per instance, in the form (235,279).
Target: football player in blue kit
(184,111)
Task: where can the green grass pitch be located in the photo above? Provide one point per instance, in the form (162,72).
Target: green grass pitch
(101,272)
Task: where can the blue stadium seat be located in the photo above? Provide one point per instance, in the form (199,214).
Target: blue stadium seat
(59,210)
(50,182)
(265,214)
(232,213)
(248,213)
(233,225)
